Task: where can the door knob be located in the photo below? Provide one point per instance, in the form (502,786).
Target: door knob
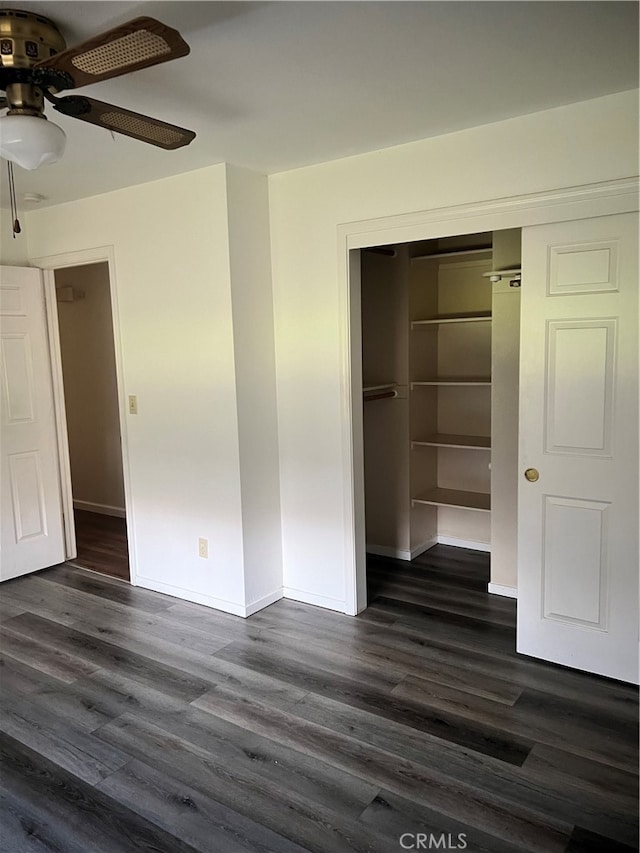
(532,475)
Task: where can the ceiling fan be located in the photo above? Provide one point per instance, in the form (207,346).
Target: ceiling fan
(35,66)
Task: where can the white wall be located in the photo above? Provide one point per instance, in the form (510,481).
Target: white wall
(252,300)
(90,388)
(582,143)
(173,286)
(505,363)
(13,250)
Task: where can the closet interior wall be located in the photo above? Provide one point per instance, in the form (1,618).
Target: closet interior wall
(385,376)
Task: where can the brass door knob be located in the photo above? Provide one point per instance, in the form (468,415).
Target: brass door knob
(532,475)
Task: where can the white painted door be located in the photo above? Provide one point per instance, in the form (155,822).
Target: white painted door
(578,523)
(31,533)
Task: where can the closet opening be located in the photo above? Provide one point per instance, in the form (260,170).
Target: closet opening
(440,363)
(83,300)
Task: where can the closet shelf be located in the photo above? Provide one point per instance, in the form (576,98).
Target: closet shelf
(465,442)
(482,250)
(485,317)
(454,498)
(454,380)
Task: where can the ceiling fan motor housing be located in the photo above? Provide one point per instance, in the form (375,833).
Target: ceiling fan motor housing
(35,66)
(25,38)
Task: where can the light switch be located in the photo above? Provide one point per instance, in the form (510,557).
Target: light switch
(133,404)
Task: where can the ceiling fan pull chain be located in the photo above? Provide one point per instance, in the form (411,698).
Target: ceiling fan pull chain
(12,200)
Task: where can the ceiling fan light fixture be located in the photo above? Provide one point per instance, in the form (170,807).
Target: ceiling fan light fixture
(31,141)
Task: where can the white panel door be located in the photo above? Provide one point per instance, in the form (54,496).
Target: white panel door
(578,522)
(31,532)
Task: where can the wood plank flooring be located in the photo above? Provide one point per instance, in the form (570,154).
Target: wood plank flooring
(132,721)
(101,542)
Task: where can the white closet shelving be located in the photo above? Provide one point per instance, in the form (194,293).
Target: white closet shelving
(459,318)
(455,498)
(452,253)
(450,370)
(463,442)
(453,380)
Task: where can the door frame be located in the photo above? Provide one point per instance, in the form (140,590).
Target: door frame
(583,202)
(49,264)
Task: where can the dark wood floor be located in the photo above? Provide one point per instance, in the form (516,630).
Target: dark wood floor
(101,542)
(133,721)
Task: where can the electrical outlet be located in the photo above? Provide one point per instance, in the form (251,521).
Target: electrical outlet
(133,404)
(203,548)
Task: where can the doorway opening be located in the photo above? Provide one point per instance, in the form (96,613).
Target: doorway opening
(440,342)
(87,350)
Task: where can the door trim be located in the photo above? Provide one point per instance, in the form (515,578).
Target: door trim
(50,263)
(62,434)
(582,202)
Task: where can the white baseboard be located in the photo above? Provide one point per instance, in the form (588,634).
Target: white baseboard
(464,543)
(265,601)
(101,509)
(499,589)
(398,553)
(387,551)
(191,595)
(317,600)
(424,547)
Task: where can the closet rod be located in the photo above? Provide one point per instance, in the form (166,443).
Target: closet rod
(382,395)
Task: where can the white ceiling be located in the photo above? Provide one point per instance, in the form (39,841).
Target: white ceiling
(276,85)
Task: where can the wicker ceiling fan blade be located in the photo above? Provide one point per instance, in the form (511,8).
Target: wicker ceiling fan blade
(119,120)
(137,44)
